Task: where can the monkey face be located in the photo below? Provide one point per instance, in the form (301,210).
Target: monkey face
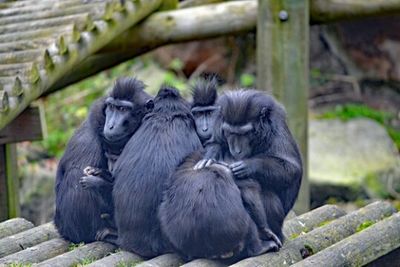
(239,139)
(205,119)
(121,120)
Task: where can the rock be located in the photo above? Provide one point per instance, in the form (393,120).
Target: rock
(353,155)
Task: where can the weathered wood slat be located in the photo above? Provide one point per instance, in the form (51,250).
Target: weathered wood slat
(310,220)
(122,258)
(79,255)
(14,69)
(361,248)
(38,253)
(28,126)
(43,23)
(42,7)
(74,10)
(166,260)
(14,226)
(117,21)
(20,56)
(3,181)
(29,238)
(50,32)
(321,237)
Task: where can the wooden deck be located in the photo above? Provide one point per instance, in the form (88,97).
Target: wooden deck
(326,236)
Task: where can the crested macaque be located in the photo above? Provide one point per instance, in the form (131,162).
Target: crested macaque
(84,207)
(256,144)
(165,138)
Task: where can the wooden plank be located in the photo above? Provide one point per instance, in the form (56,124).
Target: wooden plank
(14,226)
(3,185)
(14,243)
(12,180)
(361,248)
(28,126)
(38,253)
(282,67)
(9,183)
(81,255)
(320,238)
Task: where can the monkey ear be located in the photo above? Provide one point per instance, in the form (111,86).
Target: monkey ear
(149,105)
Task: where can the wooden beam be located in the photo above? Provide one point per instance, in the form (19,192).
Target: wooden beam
(282,67)
(9,193)
(28,126)
(326,11)
(3,185)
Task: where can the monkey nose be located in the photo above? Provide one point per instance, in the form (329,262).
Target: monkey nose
(205,129)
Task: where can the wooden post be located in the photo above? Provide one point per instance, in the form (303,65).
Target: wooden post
(282,66)
(26,127)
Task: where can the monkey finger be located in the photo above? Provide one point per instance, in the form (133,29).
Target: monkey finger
(201,164)
(223,163)
(209,162)
(236,164)
(237,168)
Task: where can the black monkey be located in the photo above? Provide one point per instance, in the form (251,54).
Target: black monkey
(166,137)
(202,213)
(256,143)
(207,115)
(110,124)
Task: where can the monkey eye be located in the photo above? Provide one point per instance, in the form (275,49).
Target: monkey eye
(121,108)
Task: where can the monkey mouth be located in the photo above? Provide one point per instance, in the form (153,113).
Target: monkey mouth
(114,139)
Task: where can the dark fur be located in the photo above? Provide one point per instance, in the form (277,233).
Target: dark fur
(167,135)
(275,161)
(202,213)
(205,92)
(78,211)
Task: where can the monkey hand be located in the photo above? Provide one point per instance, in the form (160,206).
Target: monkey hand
(90,181)
(88,171)
(240,169)
(203,163)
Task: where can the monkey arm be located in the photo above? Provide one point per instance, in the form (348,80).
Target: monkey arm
(268,170)
(94,182)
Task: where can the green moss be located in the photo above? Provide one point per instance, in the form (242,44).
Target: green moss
(84,262)
(331,201)
(396,204)
(324,223)
(73,246)
(351,111)
(360,202)
(364,225)
(127,264)
(293,236)
(19,265)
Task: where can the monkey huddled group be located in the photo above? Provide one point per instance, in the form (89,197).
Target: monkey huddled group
(213,178)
